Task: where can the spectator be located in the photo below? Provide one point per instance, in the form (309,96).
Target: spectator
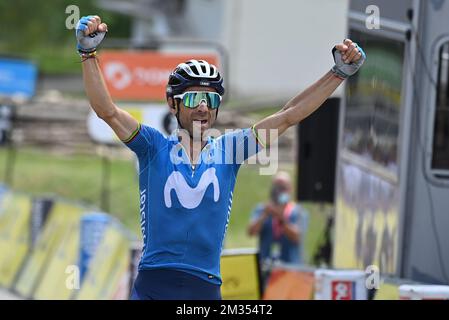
(281,224)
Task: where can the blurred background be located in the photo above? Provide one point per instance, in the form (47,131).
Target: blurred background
(371,166)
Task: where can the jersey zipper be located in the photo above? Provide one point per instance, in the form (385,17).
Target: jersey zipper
(192,166)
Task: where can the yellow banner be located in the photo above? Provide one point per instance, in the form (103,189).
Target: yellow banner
(367,217)
(14,235)
(55,283)
(107,267)
(387,291)
(240,277)
(59,224)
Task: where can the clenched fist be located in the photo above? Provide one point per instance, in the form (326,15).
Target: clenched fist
(90,31)
(348,57)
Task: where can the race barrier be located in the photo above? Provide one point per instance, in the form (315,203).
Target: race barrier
(389,288)
(14,235)
(53,282)
(108,272)
(240,274)
(292,282)
(387,291)
(40,211)
(54,249)
(135,254)
(340,285)
(93,228)
(53,239)
(285,284)
(423,292)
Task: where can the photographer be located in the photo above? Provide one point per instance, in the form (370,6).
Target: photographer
(281,224)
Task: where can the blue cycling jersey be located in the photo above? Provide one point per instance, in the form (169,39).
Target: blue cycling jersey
(184,210)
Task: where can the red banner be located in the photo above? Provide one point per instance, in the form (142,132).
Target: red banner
(289,285)
(142,75)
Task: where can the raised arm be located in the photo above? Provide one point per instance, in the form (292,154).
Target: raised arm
(348,59)
(90,32)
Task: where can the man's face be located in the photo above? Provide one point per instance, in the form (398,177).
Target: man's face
(280,186)
(201,117)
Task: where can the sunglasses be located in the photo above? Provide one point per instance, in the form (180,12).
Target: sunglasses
(192,99)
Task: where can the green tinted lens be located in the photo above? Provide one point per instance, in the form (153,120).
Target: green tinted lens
(193,99)
(189,100)
(214,100)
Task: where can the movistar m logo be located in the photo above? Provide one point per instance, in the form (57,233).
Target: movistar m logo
(189,197)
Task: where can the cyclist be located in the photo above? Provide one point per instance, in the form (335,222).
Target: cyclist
(186,182)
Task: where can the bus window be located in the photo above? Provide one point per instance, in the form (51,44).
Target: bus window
(440,145)
(371,124)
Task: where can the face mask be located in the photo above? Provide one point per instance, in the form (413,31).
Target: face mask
(283,198)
